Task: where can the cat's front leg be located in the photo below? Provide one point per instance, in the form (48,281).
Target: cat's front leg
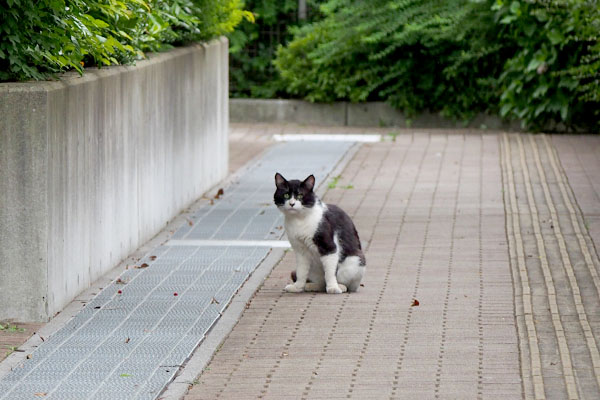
(330,263)
(302,268)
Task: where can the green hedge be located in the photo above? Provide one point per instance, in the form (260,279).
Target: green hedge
(39,38)
(537,61)
(253,46)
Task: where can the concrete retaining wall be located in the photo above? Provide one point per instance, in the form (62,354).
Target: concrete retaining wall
(348,114)
(92,167)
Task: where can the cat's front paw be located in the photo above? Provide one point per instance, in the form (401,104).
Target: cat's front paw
(334,289)
(292,288)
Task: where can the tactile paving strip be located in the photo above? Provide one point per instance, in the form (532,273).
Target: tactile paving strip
(130,340)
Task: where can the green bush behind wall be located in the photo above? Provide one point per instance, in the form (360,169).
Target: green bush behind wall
(39,38)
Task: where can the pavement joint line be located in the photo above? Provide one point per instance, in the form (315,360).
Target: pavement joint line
(480,345)
(342,137)
(563,347)
(450,265)
(515,231)
(582,315)
(400,361)
(229,243)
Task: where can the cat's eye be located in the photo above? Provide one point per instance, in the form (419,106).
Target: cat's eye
(286,196)
(299,197)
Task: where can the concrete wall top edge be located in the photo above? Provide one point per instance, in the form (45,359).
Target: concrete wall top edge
(93,73)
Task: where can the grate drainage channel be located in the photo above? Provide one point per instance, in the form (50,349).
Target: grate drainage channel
(130,340)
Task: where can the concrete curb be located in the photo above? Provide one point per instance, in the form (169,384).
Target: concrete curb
(350,114)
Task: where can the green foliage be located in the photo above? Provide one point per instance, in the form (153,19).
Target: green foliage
(43,37)
(416,54)
(535,60)
(253,46)
(553,76)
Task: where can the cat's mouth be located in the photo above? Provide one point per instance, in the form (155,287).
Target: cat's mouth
(292,210)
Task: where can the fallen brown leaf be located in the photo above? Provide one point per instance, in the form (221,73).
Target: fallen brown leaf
(29,356)
(40,394)
(213,301)
(144,265)
(220,193)
(127,340)
(152,258)
(415,303)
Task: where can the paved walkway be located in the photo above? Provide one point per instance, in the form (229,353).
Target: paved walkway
(482,278)
(435,211)
(429,209)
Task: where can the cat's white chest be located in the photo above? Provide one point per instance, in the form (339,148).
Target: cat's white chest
(301,229)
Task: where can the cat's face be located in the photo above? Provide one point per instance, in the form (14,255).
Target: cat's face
(294,196)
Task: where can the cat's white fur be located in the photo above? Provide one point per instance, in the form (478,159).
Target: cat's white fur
(322,272)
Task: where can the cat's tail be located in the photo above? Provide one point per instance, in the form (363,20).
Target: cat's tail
(294,278)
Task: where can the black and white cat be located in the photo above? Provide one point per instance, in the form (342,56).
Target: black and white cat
(328,252)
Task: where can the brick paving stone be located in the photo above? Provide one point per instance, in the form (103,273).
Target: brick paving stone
(429,210)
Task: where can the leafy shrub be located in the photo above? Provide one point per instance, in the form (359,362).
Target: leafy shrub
(535,60)
(39,38)
(416,54)
(253,46)
(553,77)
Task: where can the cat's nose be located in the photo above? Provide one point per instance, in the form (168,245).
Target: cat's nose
(292,203)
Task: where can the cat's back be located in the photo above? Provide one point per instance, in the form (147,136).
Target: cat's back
(341,223)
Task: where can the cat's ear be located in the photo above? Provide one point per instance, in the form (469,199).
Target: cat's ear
(309,182)
(280,181)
